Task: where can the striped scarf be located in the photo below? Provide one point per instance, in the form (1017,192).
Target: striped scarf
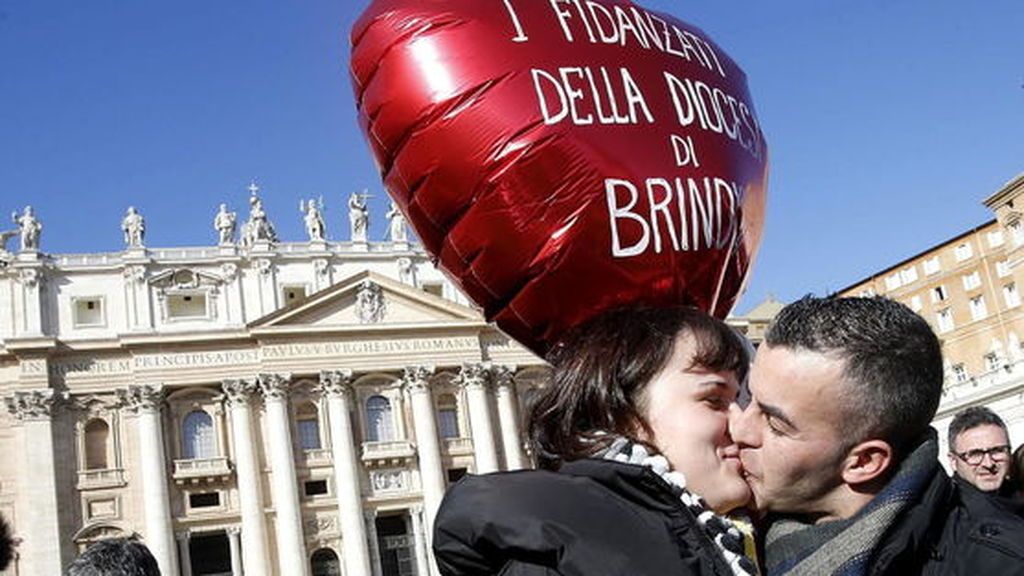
(845,547)
(728,538)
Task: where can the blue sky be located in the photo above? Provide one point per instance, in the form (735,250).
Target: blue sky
(888,122)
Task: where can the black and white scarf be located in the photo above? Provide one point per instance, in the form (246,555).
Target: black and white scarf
(845,547)
(722,531)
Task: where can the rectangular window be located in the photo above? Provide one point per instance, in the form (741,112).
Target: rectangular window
(293,294)
(315,487)
(309,434)
(945,320)
(435,288)
(892,282)
(992,362)
(204,500)
(972,280)
(908,275)
(915,304)
(995,239)
(448,422)
(978,308)
(455,474)
(960,373)
(1011,296)
(931,265)
(1017,233)
(1002,269)
(88,312)
(185,306)
(939,294)
(963,252)
(867,293)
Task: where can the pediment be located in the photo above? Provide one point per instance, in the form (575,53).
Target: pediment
(368,299)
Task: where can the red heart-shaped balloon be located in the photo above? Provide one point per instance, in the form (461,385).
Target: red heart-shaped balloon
(562,158)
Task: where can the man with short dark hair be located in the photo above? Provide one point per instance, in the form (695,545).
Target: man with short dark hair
(979,448)
(837,448)
(115,557)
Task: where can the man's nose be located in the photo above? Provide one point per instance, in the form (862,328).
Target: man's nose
(740,426)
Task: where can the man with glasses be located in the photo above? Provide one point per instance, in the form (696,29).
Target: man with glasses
(979,449)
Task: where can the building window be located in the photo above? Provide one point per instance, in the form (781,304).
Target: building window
(435,288)
(945,317)
(1017,233)
(931,265)
(315,487)
(204,500)
(1002,269)
(198,438)
(325,563)
(293,294)
(1011,296)
(978,308)
(995,238)
(963,252)
(88,312)
(960,373)
(867,293)
(379,425)
(915,303)
(97,438)
(992,362)
(972,280)
(892,282)
(185,306)
(908,275)
(447,416)
(455,474)
(939,294)
(308,424)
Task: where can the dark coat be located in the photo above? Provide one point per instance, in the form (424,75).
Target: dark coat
(592,518)
(953,529)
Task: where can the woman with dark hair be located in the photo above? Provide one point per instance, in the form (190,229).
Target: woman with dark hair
(637,466)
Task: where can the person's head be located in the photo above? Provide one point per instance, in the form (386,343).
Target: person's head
(979,448)
(841,390)
(666,377)
(115,557)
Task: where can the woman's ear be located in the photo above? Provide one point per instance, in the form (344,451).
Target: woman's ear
(867,461)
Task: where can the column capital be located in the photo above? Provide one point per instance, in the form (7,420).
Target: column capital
(336,383)
(238,391)
(182,536)
(275,386)
(142,397)
(417,378)
(233,530)
(33,404)
(503,374)
(474,376)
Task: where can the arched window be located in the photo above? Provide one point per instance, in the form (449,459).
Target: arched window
(308,424)
(198,438)
(97,436)
(325,563)
(379,424)
(447,416)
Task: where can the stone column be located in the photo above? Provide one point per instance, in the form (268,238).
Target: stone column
(255,556)
(420,540)
(146,401)
(184,553)
(39,522)
(234,545)
(291,547)
(372,543)
(476,380)
(508,418)
(428,448)
(335,387)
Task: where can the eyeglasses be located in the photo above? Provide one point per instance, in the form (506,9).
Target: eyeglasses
(977,456)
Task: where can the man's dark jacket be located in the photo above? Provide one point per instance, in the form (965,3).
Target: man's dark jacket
(591,518)
(953,529)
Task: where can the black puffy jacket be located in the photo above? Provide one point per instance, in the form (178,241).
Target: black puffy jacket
(953,530)
(591,518)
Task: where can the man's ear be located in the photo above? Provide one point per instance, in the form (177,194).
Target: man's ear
(867,461)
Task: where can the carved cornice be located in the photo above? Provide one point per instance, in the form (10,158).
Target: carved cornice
(275,386)
(417,378)
(142,398)
(238,392)
(33,404)
(474,376)
(336,383)
(136,273)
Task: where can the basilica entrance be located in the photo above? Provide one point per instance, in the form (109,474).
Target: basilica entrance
(210,554)
(396,546)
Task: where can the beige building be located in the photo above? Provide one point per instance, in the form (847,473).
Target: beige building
(969,289)
(254,407)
